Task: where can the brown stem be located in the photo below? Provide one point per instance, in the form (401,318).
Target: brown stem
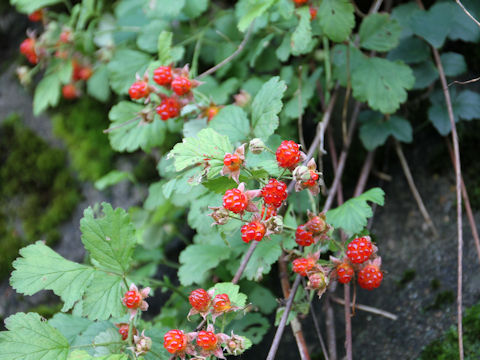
(464,82)
(334,157)
(413,187)
(364,173)
(466,201)
(366,308)
(231,57)
(244,262)
(467,12)
(348,322)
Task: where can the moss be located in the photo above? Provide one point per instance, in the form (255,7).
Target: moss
(37,191)
(443,298)
(446,347)
(81,126)
(408,276)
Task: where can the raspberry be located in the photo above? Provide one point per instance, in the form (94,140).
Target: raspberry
(344,273)
(163,75)
(317,281)
(76,70)
(138,90)
(199,299)
(302,266)
(253,231)
(232,161)
(69,91)
(300,2)
(303,237)
(85,73)
(27,48)
(65,36)
(235,201)
(207,340)
(313,179)
(359,250)
(221,303)
(168,108)
(132,299)
(274,193)
(288,154)
(271,211)
(370,277)
(175,341)
(36,15)
(211,112)
(313,13)
(181,85)
(316,225)
(123,330)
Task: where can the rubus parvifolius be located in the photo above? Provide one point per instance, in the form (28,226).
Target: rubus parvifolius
(274,193)
(232,163)
(370,277)
(134,299)
(288,154)
(238,200)
(254,230)
(360,249)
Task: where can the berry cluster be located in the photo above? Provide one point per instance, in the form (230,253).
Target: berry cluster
(204,303)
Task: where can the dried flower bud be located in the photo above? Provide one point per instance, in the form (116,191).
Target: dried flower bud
(274,225)
(23,75)
(256,146)
(235,345)
(142,344)
(301,173)
(242,98)
(220,215)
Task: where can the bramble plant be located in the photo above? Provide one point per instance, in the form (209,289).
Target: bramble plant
(229,163)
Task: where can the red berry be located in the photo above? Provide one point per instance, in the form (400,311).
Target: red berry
(65,36)
(211,112)
(274,193)
(69,91)
(288,154)
(132,299)
(163,75)
(313,179)
(207,340)
(303,237)
(271,211)
(221,303)
(232,161)
(235,201)
(168,108)
(123,330)
(36,16)
(175,341)
(138,90)
(370,277)
(27,48)
(199,299)
(359,250)
(300,2)
(316,225)
(313,13)
(302,266)
(85,73)
(76,70)
(181,85)
(344,273)
(253,231)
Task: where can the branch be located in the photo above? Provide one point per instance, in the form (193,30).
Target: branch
(317,330)
(464,82)
(231,57)
(366,308)
(245,261)
(468,13)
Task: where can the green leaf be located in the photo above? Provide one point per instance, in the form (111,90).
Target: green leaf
(453,64)
(411,50)
(382,83)
(266,254)
(253,325)
(293,108)
(164,47)
(219,92)
(47,93)
(103,297)
(337,19)
(42,268)
(30,338)
(195,8)
(261,297)
(208,144)
(266,106)
(352,215)
(220,185)
(433,25)
(253,9)
(83,355)
(69,326)
(233,292)
(123,67)
(97,85)
(463,27)
(374,130)
(301,41)
(110,335)
(29,6)
(147,39)
(164,8)
(110,239)
(425,74)
(379,33)
(233,122)
(197,260)
(128,135)
(112,178)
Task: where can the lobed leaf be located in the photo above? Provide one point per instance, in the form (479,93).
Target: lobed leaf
(379,33)
(337,19)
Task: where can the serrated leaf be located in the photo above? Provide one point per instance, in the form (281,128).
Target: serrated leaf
(266,106)
(253,9)
(47,93)
(110,239)
(148,37)
(379,33)
(301,40)
(433,25)
(207,145)
(98,86)
(233,292)
(453,64)
(197,260)
(233,122)
(352,215)
(127,134)
(42,268)
(375,130)
(266,253)
(123,67)
(103,298)
(30,338)
(382,83)
(336,18)
(108,336)
(164,46)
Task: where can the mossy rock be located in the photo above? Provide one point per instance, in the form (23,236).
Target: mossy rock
(37,190)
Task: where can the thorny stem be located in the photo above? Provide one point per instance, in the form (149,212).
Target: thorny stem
(413,188)
(231,57)
(366,308)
